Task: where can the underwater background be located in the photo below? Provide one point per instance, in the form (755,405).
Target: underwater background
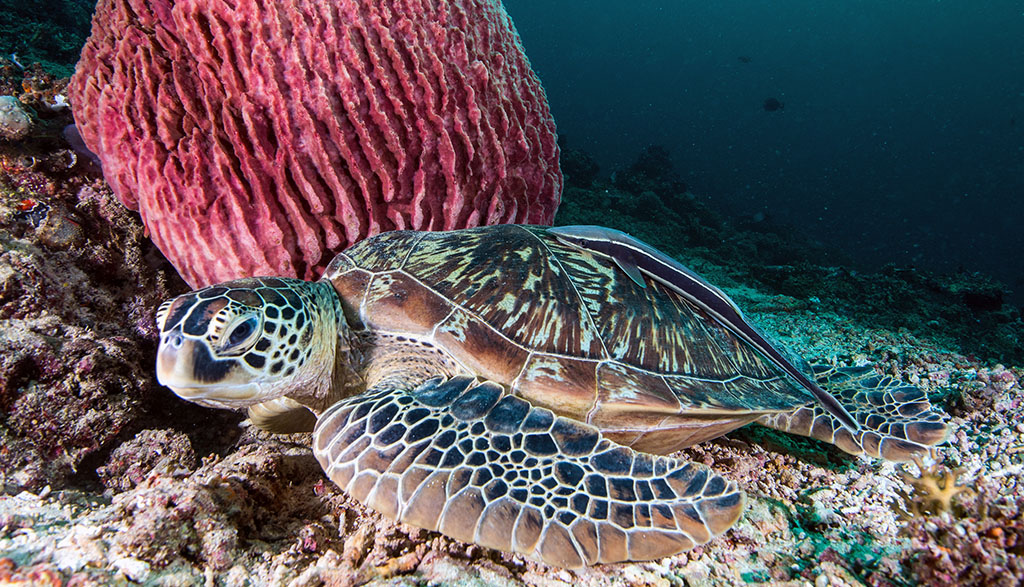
(852,174)
(900,138)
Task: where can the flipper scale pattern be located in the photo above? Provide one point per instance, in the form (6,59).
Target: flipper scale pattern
(462,457)
(897,421)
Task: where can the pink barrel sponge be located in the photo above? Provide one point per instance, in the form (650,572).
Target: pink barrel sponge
(261,138)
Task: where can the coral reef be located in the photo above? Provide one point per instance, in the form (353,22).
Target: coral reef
(267,148)
(578,167)
(38,89)
(109,479)
(980,543)
(653,171)
(150,451)
(77,283)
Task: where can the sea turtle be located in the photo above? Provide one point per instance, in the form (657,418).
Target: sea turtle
(515,386)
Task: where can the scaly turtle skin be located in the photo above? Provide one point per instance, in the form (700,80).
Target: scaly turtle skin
(505,387)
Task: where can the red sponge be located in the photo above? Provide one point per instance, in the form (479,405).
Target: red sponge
(261,138)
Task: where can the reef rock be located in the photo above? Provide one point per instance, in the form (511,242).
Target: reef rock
(262,138)
(15,121)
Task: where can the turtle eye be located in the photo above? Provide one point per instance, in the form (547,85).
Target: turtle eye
(241,335)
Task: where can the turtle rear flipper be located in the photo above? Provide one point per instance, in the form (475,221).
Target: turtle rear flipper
(282,416)
(897,421)
(464,458)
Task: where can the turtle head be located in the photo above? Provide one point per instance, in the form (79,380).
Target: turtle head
(248,341)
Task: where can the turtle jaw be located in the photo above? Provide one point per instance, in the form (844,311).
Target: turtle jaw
(189,369)
(234,397)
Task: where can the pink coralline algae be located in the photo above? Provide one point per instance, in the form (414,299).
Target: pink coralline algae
(264,137)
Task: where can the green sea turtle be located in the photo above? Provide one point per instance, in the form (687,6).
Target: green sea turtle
(515,386)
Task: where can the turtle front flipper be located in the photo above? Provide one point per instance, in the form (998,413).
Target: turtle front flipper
(464,458)
(897,421)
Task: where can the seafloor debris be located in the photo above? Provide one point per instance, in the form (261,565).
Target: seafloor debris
(982,544)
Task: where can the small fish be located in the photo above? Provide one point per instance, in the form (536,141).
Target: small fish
(637,258)
(773,104)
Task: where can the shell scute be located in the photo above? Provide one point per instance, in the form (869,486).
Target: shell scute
(480,269)
(574,379)
(396,303)
(480,347)
(385,252)
(625,389)
(565,329)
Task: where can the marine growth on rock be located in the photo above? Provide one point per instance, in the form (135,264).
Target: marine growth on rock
(15,121)
(262,138)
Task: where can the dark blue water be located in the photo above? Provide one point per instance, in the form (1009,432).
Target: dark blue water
(902,133)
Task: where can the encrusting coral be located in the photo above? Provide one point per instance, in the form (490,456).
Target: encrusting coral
(935,488)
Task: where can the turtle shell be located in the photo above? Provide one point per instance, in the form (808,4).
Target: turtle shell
(565,329)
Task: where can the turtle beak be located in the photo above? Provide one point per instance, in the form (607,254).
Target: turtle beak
(188,368)
(172,360)
(178,362)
